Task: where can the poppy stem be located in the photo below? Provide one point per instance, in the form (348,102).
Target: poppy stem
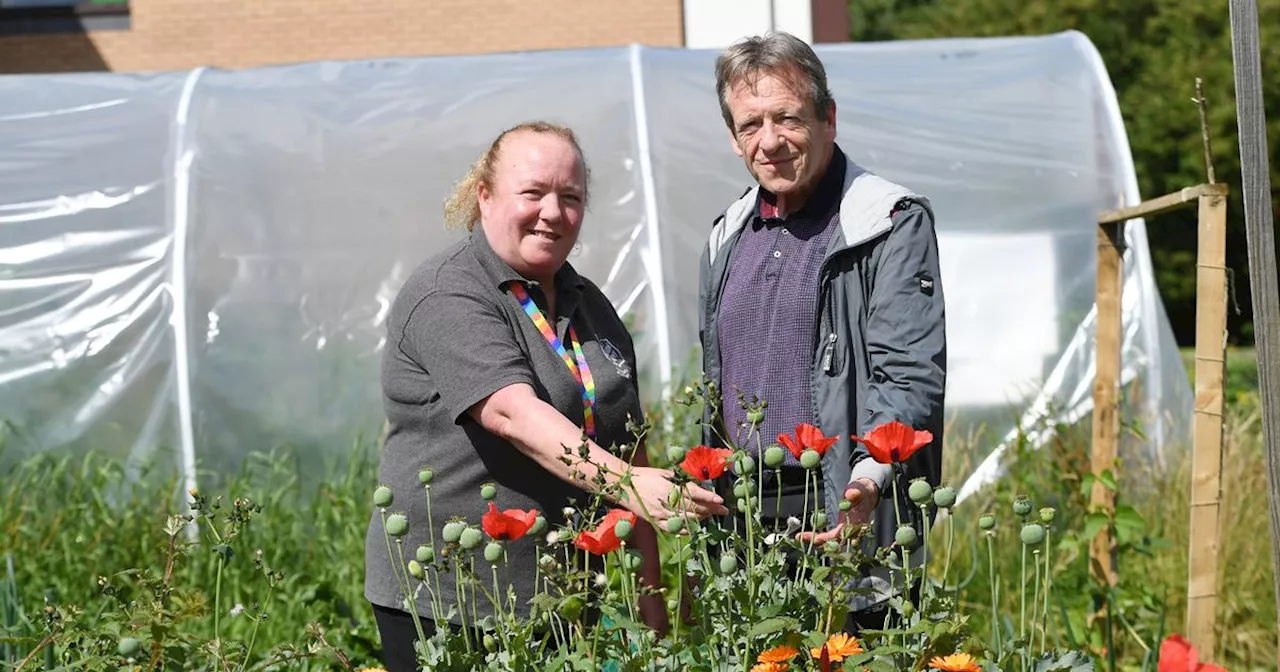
(995,609)
(1048,580)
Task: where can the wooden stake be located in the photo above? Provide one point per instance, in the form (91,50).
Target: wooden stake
(1206,457)
(1106,395)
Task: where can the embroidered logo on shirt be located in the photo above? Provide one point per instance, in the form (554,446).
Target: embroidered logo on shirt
(926,284)
(612,352)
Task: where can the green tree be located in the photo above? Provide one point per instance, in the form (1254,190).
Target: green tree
(1153,50)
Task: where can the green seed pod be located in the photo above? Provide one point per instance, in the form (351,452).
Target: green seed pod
(425,554)
(740,489)
(416,570)
(539,526)
(810,459)
(920,491)
(908,609)
(673,497)
(1032,534)
(382,497)
(728,563)
(488,491)
(493,551)
(906,536)
(774,457)
(672,604)
(128,646)
(831,546)
(622,528)
(675,454)
(819,519)
(1022,506)
(425,476)
(987,522)
(745,465)
(676,523)
(634,561)
(1047,514)
(743,506)
(397,525)
(755,416)
(490,642)
(944,497)
(845,505)
(471,538)
(452,532)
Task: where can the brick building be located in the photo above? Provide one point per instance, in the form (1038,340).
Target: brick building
(150,35)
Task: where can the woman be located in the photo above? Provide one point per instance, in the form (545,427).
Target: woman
(481,377)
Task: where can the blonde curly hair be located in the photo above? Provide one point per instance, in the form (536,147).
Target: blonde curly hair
(462,208)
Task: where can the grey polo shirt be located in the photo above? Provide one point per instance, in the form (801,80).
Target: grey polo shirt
(455,335)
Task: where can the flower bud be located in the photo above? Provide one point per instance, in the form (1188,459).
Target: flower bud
(539,525)
(397,525)
(493,551)
(547,562)
(745,465)
(755,416)
(819,519)
(944,497)
(744,505)
(565,534)
(728,563)
(416,570)
(633,561)
(676,523)
(845,505)
(452,532)
(906,536)
(128,646)
(622,529)
(810,459)
(675,454)
(832,546)
(920,491)
(740,489)
(488,491)
(425,554)
(1047,514)
(1032,534)
(774,457)
(425,476)
(987,522)
(470,539)
(490,642)
(1022,506)
(908,609)
(382,497)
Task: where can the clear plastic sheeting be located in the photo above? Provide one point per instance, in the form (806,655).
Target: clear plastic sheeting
(202,262)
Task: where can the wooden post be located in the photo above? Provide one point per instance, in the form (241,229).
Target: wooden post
(1255,182)
(1206,456)
(1106,393)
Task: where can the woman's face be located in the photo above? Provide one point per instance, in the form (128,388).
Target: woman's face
(532,212)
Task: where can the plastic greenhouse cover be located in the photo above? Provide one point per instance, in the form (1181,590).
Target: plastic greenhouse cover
(204,259)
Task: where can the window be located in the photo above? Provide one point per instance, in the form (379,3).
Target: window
(62,16)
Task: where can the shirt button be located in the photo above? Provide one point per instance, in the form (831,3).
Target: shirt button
(776,254)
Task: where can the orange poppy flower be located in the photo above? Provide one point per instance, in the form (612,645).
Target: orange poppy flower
(770,667)
(956,662)
(778,654)
(1179,655)
(603,539)
(807,436)
(507,525)
(894,442)
(705,464)
(839,646)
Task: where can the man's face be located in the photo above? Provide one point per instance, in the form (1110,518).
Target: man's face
(778,134)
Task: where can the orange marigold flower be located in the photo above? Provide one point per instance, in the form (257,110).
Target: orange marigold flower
(956,662)
(778,654)
(839,646)
(770,667)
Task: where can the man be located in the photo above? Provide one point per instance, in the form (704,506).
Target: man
(820,294)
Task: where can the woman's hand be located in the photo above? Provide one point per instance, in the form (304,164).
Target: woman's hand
(650,497)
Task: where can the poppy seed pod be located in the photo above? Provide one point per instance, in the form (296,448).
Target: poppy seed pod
(425,554)
(845,505)
(1022,506)
(490,643)
(906,536)
(1047,514)
(831,546)
(128,646)
(634,561)
(675,524)
(819,519)
(425,476)
(493,551)
(987,522)
(920,491)
(810,459)
(944,497)
(740,489)
(416,570)
(755,416)
(1032,534)
(452,532)
(471,538)
(382,497)
(728,563)
(397,525)
(745,465)
(774,456)
(488,491)
(622,529)
(675,454)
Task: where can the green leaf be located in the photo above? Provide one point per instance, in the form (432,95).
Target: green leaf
(1109,479)
(1064,661)
(1128,518)
(1086,484)
(771,625)
(1093,524)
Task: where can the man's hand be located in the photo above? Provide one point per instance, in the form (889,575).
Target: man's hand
(863,497)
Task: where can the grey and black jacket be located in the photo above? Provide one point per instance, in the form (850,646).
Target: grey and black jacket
(879,347)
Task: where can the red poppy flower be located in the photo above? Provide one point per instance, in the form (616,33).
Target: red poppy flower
(603,539)
(1178,655)
(894,442)
(705,464)
(807,437)
(507,525)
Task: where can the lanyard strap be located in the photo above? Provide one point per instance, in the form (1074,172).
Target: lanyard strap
(581,372)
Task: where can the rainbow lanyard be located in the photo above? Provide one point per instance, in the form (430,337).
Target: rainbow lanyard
(581,372)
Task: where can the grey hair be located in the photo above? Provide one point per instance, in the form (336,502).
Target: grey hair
(777,53)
